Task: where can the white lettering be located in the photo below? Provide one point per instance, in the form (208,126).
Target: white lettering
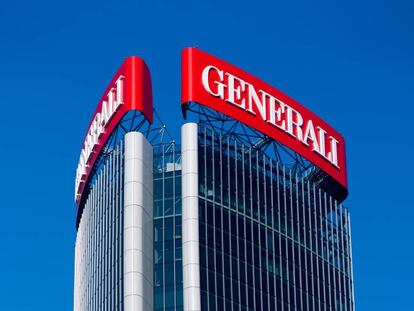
(119,91)
(275,114)
(260,103)
(333,154)
(205,80)
(235,90)
(97,128)
(291,123)
(310,134)
(322,134)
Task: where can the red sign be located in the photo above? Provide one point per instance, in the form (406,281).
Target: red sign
(214,83)
(130,89)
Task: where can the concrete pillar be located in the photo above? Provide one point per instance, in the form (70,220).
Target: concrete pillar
(138,223)
(191,253)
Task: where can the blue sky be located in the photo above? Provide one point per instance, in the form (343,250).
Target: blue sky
(350,62)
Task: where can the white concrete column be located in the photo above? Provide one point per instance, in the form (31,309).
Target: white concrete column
(191,253)
(138,223)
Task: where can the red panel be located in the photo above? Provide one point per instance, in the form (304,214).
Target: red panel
(137,95)
(223,97)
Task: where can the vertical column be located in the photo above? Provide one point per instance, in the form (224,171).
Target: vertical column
(138,224)
(76,297)
(351,263)
(191,253)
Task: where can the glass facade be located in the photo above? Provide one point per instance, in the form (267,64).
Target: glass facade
(168,266)
(269,240)
(99,240)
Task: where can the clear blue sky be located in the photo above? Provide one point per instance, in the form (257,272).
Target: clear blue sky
(350,62)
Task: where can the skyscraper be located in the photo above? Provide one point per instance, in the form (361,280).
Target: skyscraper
(236,217)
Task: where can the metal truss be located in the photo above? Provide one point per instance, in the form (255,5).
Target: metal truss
(255,140)
(251,138)
(170,153)
(133,121)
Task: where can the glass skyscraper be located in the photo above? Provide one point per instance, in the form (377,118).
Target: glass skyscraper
(228,219)
(268,239)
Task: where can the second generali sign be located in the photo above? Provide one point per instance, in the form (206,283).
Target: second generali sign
(223,87)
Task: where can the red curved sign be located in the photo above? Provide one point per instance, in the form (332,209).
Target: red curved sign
(214,83)
(129,89)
